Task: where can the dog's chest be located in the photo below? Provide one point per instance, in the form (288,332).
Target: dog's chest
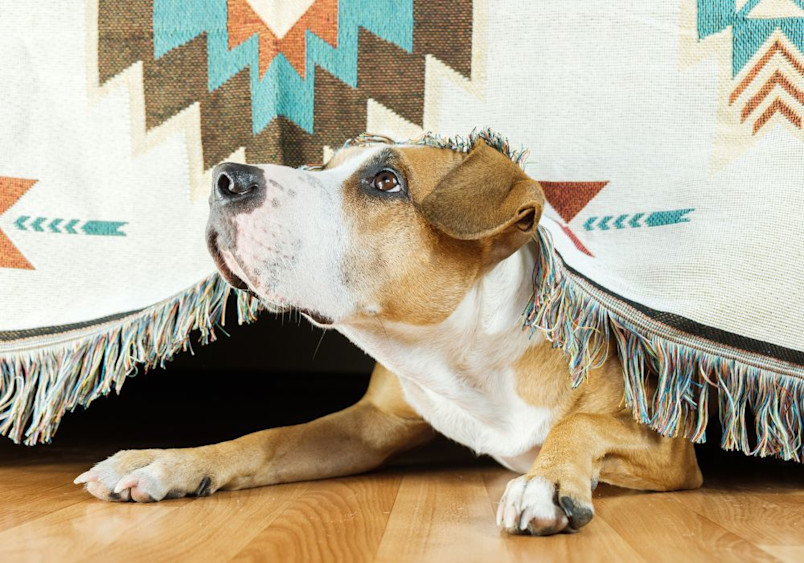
(467,389)
(484,413)
(461,374)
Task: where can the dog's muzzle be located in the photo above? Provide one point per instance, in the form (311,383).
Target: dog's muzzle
(236,188)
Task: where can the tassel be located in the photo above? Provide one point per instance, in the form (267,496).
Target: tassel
(41,382)
(666,382)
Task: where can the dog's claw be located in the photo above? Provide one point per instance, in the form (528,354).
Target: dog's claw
(578,514)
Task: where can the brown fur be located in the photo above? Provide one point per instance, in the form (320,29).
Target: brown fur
(425,286)
(421,287)
(595,436)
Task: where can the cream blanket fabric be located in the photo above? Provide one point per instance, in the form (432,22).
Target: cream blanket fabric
(667,135)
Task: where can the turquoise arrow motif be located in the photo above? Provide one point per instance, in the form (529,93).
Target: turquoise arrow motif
(655,219)
(94,228)
(37,224)
(104,228)
(634,222)
(659,218)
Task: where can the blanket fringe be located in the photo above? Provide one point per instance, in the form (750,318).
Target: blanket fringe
(41,384)
(460,143)
(681,375)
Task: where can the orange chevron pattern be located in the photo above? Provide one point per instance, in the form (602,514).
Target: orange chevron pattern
(776,79)
(778,106)
(321,18)
(794,87)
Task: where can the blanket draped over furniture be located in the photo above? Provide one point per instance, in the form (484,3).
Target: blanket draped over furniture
(667,137)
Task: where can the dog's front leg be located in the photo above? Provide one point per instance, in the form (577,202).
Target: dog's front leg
(556,494)
(350,441)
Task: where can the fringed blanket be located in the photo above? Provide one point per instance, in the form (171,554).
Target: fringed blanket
(667,137)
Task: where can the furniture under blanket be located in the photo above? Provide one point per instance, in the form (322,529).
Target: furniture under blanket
(667,137)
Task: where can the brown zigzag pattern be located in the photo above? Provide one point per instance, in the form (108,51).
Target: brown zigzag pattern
(386,73)
(778,78)
(776,47)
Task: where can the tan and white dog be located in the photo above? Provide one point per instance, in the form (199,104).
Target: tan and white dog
(423,257)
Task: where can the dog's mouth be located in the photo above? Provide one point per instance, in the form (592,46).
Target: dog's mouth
(319,319)
(224,270)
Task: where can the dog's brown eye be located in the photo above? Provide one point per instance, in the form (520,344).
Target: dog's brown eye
(386,181)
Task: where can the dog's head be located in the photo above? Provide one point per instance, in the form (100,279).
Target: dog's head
(396,231)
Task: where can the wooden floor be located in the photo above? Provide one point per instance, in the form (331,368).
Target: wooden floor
(443,511)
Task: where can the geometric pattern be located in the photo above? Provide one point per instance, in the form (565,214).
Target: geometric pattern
(281,90)
(637,220)
(63,225)
(11,190)
(752,22)
(568,199)
(244,21)
(767,65)
(761,91)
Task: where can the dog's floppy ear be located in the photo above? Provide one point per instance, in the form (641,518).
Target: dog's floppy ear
(484,196)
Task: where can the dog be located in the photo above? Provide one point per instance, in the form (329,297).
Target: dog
(423,257)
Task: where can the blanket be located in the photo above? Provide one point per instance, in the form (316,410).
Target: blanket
(667,137)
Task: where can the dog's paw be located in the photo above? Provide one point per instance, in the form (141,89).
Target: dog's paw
(540,507)
(146,476)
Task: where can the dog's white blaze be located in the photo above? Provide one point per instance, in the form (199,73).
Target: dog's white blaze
(290,249)
(458,374)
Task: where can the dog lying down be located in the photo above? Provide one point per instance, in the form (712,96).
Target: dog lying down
(423,257)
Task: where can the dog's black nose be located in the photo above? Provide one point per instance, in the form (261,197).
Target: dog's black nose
(232,180)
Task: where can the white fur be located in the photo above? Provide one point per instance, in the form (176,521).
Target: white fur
(289,250)
(529,502)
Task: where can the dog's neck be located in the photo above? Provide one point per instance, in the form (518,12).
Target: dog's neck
(481,337)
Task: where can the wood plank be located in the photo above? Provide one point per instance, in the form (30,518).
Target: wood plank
(51,495)
(15,476)
(786,553)
(771,520)
(659,526)
(13,518)
(212,528)
(76,531)
(335,520)
(442,515)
